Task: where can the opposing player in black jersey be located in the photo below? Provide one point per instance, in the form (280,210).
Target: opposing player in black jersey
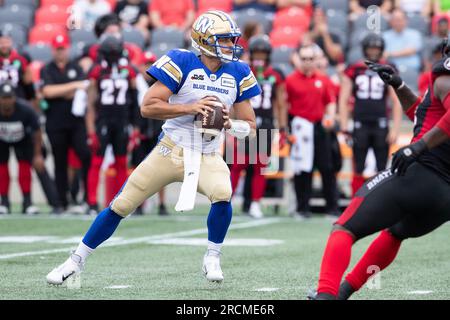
(112,107)
(19,129)
(370,114)
(14,67)
(409,200)
(268,106)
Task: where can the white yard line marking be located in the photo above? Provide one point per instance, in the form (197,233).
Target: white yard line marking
(267,289)
(149,217)
(26,239)
(230,242)
(118,287)
(187,233)
(420,292)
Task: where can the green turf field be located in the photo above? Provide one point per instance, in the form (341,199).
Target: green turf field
(154,257)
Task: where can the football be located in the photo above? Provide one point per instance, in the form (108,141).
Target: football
(212,124)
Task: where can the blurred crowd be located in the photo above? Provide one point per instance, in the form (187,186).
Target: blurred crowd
(50,52)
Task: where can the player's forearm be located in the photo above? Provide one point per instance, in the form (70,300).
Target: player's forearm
(396,117)
(282,117)
(37,142)
(343,112)
(402,53)
(162,110)
(59,90)
(406,97)
(435,137)
(90,120)
(280,109)
(333,49)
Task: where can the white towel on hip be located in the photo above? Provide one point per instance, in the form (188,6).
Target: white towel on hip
(79,103)
(302,151)
(142,87)
(188,192)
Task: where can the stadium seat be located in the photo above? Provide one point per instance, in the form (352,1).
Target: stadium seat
(362,21)
(292,17)
(285,68)
(354,54)
(357,36)
(281,55)
(168,35)
(76,50)
(112,4)
(242,17)
(44,33)
(61,3)
(337,20)
(161,49)
(341,5)
(410,77)
(429,43)
(288,37)
(39,52)
(52,15)
(35,67)
(17,14)
(32,4)
(134,36)
(205,5)
(16,32)
(418,23)
(86,37)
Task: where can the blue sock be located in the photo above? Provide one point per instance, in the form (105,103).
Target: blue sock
(102,228)
(219,220)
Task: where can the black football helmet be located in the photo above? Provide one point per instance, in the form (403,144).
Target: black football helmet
(260,43)
(373,40)
(111,49)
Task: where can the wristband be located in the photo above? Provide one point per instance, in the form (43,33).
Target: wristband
(239,129)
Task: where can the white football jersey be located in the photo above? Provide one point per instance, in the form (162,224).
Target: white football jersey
(190,80)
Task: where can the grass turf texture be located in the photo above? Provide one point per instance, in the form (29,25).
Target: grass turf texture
(163,271)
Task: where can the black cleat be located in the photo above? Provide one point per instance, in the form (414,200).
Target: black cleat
(345,291)
(139,211)
(57,211)
(162,210)
(92,210)
(313,295)
(5,207)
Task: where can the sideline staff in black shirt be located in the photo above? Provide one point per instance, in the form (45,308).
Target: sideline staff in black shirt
(61,79)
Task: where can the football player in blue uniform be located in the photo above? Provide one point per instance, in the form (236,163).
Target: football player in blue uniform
(184,86)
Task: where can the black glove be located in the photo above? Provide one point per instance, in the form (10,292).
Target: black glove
(405,156)
(386,73)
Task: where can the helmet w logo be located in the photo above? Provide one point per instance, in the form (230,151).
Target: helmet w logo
(204,24)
